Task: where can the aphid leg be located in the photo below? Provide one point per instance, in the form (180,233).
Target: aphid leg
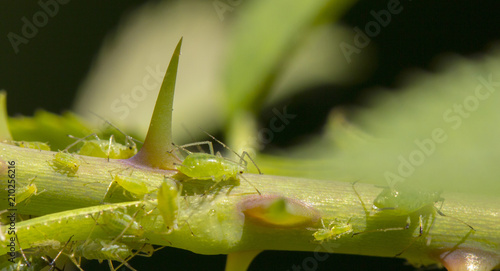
(78,140)
(200,149)
(209,143)
(52,263)
(240,156)
(126,227)
(76,262)
(28,264)
(111,141)
(212,187)
(367,213)
(421,231)
(109,187)
(123,262)
(382,230)
(457,219)
(251,159)
(189,226)
(147,253)
(250,184)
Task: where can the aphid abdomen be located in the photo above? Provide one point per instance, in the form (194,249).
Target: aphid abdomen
(103,250)
(65,163)
(203,166)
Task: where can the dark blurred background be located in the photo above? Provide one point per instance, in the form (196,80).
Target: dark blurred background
(47,71)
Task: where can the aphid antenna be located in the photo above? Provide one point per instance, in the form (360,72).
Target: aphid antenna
(78,140)
(200,149)
(242,159)
(178,148)
(127,137)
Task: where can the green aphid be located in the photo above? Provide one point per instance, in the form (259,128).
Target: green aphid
(103,250)
(405,200)
(122,222)
(168,202)
(135,186)
(107,149)
(34,145)
(36,262)
(210,166)
(25,193)
(335,230)
(65,163)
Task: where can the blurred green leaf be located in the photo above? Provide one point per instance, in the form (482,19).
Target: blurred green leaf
(50,128)
(263,40)
(440,131)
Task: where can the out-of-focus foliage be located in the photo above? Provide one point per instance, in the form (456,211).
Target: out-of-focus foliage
(439,132)
(215,50)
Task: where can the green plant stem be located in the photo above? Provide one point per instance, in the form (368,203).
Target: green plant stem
(219,228)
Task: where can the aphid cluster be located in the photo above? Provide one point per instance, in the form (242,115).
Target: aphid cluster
(109,149)
(32,145)
(405,200)
(210,166)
